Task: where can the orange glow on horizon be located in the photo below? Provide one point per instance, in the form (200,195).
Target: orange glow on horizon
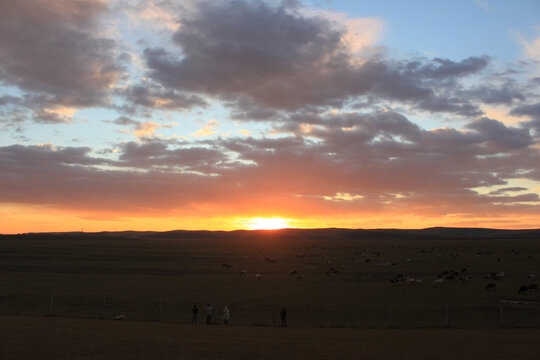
(267,223)
(22,218)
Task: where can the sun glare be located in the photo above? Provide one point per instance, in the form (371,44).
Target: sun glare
(267,223)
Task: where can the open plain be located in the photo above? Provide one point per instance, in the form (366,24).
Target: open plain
(349,294)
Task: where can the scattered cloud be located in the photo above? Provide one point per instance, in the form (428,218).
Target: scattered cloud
(208,129)
(53,49)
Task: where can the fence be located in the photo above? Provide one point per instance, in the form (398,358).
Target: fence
(172,309)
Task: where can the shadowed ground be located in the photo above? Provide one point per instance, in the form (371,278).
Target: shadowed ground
(60,338)
(341,307)
(132,271)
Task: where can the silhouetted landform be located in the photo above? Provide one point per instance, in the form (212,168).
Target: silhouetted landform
(434,233)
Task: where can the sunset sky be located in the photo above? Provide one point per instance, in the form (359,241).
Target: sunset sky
(190,114)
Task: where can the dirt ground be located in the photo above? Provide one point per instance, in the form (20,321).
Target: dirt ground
(45,338)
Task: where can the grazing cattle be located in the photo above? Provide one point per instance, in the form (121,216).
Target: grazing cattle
(452,276)
(438,282)
(300,277)
(332,271)
(293,272)
(228,266)
(533,287)
(258,276)
(413,281)
(497,276)
(531,276)
(243,273)
(522,289)
(490,286)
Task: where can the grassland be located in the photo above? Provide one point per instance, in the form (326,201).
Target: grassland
(47,338)
(352,309)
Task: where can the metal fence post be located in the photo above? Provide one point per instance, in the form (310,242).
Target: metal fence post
(51,300)
(390,315)
(160,312)
(102,316)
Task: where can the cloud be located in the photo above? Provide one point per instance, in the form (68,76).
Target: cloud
(146,129)
(54,49)
(142,130)
(484,5)
(157,154)
(444,68)
(530,110)
(495,94)
(234,51)
(507,189)
(208,129)
(156,97)
(373,163)
(499,136)
(126,121)
(531,47)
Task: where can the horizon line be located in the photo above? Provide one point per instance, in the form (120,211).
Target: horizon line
(269,230)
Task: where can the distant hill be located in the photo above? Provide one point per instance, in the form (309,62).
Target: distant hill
(325,233)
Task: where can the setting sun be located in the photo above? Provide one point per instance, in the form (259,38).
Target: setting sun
(267,223)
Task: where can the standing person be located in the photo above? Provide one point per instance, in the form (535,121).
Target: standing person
(283,314)
(195,311)
(226,315)
(209,310)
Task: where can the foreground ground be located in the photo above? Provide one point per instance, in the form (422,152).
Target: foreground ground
(70,339)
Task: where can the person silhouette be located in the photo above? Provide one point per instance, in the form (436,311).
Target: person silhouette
(209,310)
(283,314)
(195,311)
(226,315)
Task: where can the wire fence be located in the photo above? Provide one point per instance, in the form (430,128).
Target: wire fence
(511,314)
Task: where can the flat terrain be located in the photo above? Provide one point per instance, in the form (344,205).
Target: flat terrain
(343,289)
(44,338)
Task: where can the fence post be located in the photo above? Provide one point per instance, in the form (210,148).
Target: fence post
(102,316)
(51,299)
(160,312)
(389,315)
(502,314)
(274,316)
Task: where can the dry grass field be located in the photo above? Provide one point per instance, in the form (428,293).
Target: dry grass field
(29,338)
(340,296)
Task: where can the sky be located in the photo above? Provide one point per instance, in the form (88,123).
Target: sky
(221,115)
